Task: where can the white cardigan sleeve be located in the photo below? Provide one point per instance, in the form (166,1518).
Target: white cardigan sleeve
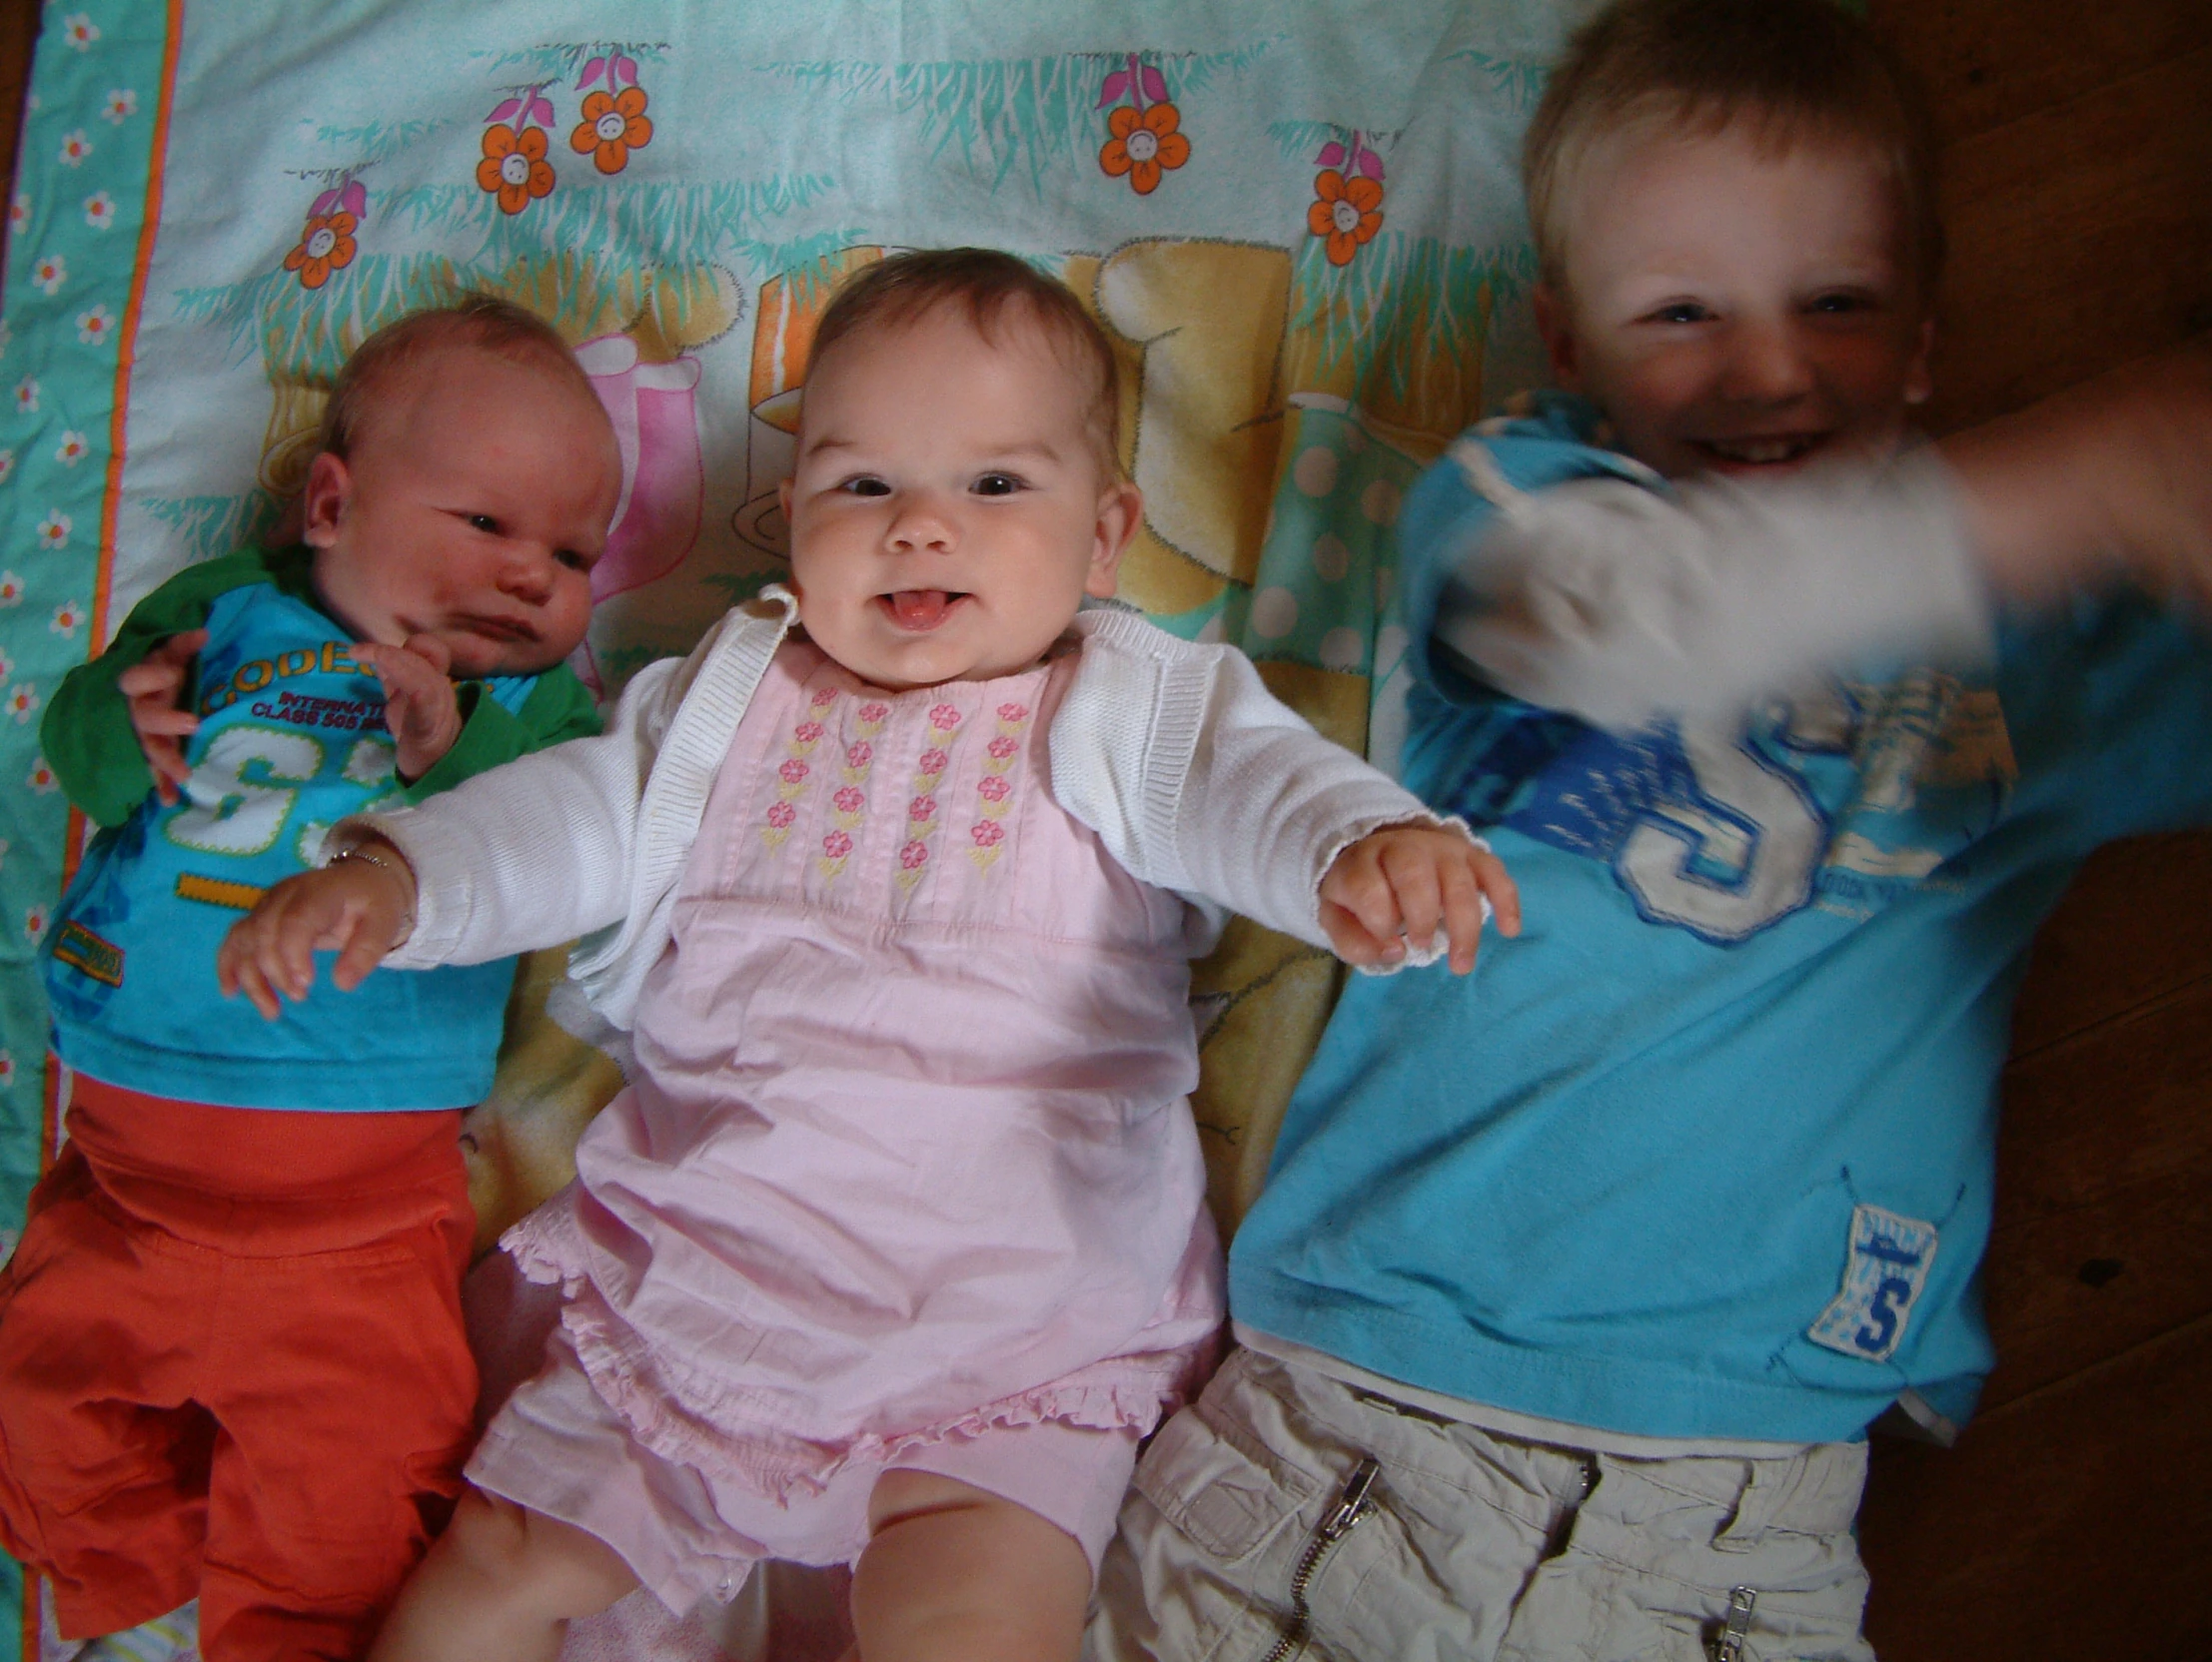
(562,843)
(1200,781)
(1615,603)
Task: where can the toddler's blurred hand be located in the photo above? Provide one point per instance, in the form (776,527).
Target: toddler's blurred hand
(2113,473)
(1395,889)
(360,908)
(150,688)
(420,705)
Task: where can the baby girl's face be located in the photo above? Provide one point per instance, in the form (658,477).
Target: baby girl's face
(948,512)
(1736,308)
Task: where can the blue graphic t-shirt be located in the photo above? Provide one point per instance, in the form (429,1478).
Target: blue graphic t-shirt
(292,739)
(1706,1153)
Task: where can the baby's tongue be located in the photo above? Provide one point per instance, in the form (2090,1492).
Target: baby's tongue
(919,608)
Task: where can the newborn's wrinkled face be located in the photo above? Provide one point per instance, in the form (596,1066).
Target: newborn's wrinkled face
(948,511)
(1737,308)
(471,508)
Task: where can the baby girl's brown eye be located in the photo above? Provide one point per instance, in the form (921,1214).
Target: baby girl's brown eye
(997,484)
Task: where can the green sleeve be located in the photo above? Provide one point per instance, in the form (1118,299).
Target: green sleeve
(87,735)
(557,708)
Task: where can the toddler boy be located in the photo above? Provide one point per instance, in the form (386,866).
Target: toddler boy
(1576,1282)
(231,1354)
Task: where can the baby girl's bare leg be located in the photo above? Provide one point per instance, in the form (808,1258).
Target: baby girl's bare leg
(953,1571)
(503,1581)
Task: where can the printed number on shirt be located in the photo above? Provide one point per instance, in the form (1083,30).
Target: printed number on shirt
(1729,862)
(243,790)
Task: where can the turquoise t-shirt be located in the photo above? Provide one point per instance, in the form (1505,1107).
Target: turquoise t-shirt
(1707,1152)
(292,739)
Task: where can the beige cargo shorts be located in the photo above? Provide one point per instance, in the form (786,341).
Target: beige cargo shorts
(1289,1515)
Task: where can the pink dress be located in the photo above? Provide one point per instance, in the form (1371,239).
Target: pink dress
(906,1154)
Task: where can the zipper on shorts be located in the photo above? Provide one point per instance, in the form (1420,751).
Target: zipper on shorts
(1353,1504)
(1727,1644)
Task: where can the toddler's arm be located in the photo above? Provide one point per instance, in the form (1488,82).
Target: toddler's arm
(1388,897)
(1616,601)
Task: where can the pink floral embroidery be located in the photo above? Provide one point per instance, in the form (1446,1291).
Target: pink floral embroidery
(987,833)
(992,788)
(782,814)
(824,697)
(873,714)
(849,800)
(808,732)
(1013,712)
(859,754)
(1002,747)
(793,771)
(923,809)
(944,718)
(836,845)
(932,762)
(914,856)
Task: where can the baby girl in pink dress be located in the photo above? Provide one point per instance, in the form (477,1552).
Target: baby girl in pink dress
(896,1243)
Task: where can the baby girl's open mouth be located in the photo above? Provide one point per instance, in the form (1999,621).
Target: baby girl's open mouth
(921,610)
(1776,449)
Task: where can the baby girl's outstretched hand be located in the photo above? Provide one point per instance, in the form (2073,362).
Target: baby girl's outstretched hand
(1396,888)
(420,705)
(359,908)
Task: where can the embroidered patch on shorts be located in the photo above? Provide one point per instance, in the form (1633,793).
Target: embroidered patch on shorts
(1884,1268)
(79,948)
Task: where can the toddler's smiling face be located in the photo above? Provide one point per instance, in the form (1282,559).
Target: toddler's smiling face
(1736,306)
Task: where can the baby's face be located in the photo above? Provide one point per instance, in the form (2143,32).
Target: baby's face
(947,511)
(1738,310)
(471,508)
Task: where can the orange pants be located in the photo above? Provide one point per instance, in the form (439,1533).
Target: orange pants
(231,1365)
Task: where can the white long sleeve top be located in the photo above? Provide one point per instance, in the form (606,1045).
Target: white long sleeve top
(1192,773)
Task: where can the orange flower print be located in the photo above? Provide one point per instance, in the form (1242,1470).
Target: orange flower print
(1346,211)
(1143,143)
(612,127)
(515,166)
(325,246)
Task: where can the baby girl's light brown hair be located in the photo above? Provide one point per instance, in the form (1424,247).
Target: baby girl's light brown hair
(1797,71)
(985,282)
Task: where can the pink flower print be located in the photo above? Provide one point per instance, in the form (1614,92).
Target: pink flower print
(808,732)
(944,717)
(794,772)
(932,762)
(989,833)
(824,697)
(836,845)
(782,814)
(1002,747)
(851,800)
(992,788)
(874,713)
(914,856)
(1013,712)
(859,754)
(923,809)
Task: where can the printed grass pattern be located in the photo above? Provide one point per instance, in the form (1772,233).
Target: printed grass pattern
(999,114)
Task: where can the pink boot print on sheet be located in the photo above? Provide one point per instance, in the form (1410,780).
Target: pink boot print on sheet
(655,414)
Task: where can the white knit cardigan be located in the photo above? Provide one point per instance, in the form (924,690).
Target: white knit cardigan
(1195,777)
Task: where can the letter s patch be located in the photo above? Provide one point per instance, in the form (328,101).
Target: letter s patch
(1885,1266)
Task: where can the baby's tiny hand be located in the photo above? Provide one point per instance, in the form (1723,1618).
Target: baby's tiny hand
(150,688)
(420,705)
(354,907)
(1401,884)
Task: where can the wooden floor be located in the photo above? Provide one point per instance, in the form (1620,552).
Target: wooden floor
(2075,1519)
